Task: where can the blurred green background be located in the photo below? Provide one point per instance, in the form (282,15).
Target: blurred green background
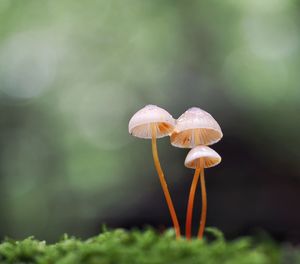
(72,73)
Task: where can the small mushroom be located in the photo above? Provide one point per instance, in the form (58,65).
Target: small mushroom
(193,128)
(154,122)
(198,158)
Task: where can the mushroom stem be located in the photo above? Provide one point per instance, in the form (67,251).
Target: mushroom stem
(189,213)
(163,182)
(204,204)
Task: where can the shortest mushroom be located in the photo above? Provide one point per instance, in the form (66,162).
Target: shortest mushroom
(199,158)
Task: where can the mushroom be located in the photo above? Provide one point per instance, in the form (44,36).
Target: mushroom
(154,122)
(198,158)
(195,127)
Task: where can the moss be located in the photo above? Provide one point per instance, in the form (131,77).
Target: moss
(142,247)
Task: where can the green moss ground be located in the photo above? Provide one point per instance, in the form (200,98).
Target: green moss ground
(143,247)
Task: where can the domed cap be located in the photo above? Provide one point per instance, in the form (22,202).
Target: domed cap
(140,123)
(195,127)
(211,157)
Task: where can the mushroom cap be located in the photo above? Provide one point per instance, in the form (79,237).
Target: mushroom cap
(140,123)
(211,158)
(195,127)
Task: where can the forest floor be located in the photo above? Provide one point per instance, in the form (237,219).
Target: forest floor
(147,247)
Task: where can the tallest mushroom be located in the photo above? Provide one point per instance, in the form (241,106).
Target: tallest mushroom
(193,128)
(152,122)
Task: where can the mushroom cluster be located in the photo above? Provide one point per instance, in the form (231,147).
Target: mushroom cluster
(194,129)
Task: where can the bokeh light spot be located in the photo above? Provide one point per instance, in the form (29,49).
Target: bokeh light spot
(27,64)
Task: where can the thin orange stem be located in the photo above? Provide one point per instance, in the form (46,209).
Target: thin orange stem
(189,213)
(164,183)
(204,205)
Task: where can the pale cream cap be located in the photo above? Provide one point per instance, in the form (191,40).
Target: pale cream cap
(211,158)
(195,127)
(140,123)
